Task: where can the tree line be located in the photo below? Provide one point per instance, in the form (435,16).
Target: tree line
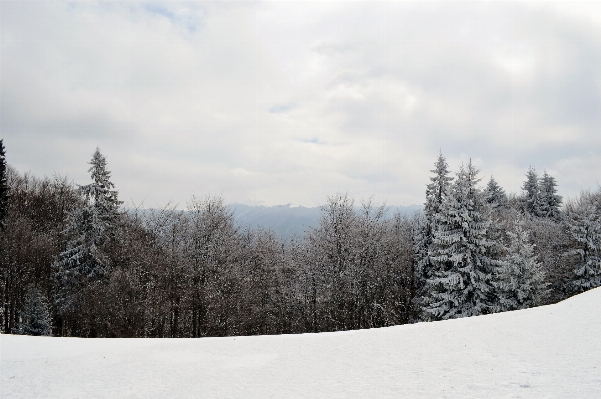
(75,262)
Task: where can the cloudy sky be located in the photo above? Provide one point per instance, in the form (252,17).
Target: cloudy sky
(288,102)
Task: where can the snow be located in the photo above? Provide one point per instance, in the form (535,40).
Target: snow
(547,352)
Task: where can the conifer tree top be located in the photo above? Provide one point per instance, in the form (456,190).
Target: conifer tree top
(435,191)
(494,194)
(530,186)
(100,175)
(100,188)
(531,191)
(549,201)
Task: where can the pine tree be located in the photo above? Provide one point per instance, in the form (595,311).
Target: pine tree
(36,314)
(103,199)
(583,222)
(436,193)
(461,284)
(3,185)
(548,202)
(89,227)
(531,190)
(520,278)
(437,190)
(495,195)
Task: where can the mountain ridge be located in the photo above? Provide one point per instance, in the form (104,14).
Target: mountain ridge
(291,220)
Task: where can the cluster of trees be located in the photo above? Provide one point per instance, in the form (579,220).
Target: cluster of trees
(479,251)
(73,262)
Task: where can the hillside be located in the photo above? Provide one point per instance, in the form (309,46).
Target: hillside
(552,351)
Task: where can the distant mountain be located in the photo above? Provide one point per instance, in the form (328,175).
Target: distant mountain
(285,220)
(290,220)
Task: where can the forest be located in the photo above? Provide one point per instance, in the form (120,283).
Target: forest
(75,262)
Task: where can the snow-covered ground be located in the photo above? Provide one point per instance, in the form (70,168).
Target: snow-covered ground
(548,352)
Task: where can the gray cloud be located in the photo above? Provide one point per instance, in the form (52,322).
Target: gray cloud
(279,102)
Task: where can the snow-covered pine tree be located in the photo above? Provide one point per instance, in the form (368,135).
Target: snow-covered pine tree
(3,185)
(583,222)
(35,319)
(89,226)
(531,190)
(520,279)
(437,190)
(461,282)
(103,198)
(436,193)
(548,202)
(495,195)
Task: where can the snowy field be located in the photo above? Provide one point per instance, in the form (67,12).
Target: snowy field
(547,352)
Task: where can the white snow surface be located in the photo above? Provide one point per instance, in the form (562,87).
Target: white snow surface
(547,352)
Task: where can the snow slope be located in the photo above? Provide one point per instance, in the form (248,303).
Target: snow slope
(548,352)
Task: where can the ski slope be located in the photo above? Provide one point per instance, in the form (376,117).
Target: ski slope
(547,352)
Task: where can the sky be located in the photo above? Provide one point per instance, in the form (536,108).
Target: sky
(267,103)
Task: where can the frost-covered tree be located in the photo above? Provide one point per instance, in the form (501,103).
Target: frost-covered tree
(436,192)
(495,195)
(520,279)
(358,268)
(461,282)
(531,190)
(331,248)
(101,194)
(438,188)
(211,250)
(548,202)
(35,319)
(583,222)
(3,185)
(89,227)
(422,240)
(4,274)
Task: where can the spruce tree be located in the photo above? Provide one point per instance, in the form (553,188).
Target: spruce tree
(548,202)
(89,227)
(437,190)
(495,195)
(583,223)
(531,190)
(436,193)
(100,193)
(3,185)
(520,278)
(461,280)
(35,319)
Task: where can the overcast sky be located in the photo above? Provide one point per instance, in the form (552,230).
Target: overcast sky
(288,102)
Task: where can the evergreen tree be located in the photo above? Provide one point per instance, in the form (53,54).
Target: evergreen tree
(35,319)
(89,227)
(3,185)
(531,190)
(520,278)
(548,202)
(100,193)
(436,193)
(460,285)
(495,195)
(437,190)
(583,222)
